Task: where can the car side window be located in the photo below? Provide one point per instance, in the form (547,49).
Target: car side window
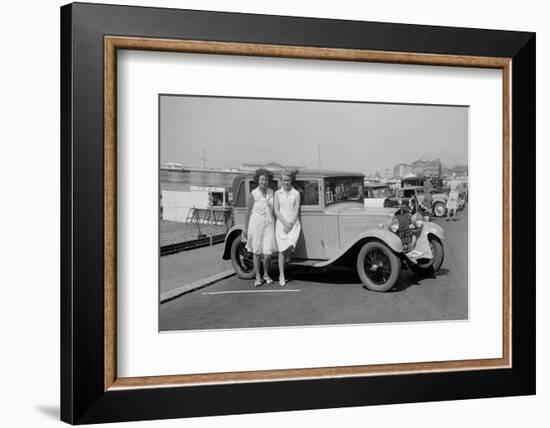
(309,191)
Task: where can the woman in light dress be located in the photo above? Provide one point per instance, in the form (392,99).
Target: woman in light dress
(259,230)
(287,227)
(452,200)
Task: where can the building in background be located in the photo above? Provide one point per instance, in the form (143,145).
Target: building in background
(184,188)
(458,170)
(271,166)
(401,170)
(420,167)
(430,168)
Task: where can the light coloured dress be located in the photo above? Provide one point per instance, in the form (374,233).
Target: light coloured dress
(261,233)
(288,206)
(452,201)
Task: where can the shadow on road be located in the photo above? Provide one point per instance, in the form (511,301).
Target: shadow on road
(340,275)
(410,278)
(329,275)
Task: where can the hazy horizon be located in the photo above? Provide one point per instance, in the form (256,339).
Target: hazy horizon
(363,137)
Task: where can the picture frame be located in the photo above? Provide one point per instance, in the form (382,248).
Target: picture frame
(91,391)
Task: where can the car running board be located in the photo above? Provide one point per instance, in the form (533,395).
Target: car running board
(308,263)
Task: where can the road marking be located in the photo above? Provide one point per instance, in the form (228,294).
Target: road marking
(201,283)
(251,291)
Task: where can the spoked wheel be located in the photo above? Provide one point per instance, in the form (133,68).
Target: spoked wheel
(378,266)
(433,265)
(242,259)
(439,209)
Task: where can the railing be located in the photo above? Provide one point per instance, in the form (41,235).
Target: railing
(213,215)
(206,226)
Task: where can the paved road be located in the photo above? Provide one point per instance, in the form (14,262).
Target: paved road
(329,296)
(189,266)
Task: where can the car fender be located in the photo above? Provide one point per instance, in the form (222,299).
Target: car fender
(430,228)
(383,235)
(229,237)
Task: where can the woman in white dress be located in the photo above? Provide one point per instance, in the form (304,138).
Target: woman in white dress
(259,230)
(452,198)
(287,227)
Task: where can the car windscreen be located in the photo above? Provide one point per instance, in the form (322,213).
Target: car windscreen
(381,192)
(342,189)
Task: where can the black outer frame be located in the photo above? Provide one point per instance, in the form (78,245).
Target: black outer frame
(83,399)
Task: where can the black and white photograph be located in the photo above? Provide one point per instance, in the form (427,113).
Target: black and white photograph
(294,212)
(244,214)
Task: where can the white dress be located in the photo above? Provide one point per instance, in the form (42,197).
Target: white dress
(260,233)
(452,201)
(288,205)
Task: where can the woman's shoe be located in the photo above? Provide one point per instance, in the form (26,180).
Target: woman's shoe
(268,280)
(282,281)
(258,283)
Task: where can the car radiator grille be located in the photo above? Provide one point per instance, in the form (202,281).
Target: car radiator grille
(408,238)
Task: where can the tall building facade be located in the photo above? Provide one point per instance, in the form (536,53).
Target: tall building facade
(419,168)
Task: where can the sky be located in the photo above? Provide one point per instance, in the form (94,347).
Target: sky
(350,136)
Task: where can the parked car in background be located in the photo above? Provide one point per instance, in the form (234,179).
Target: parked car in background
(413,197)
(439,203)
(338,230)
(376,194)
(437,182)
(405,196)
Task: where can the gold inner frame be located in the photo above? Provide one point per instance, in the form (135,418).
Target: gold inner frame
(112,43)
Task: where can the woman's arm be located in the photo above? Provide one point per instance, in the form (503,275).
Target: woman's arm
(296,207)
(277,211)
(249,205)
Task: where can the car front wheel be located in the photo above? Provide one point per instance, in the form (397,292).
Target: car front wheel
(378,266)
(242,259)
(433,265)
(439,209)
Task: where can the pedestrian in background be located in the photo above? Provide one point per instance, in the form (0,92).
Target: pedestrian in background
(287,226)
(259,227)
(452,199)
(427,202)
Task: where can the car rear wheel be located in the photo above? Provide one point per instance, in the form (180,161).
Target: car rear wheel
(378,266)
(242,259)
(439,209)
(433,265)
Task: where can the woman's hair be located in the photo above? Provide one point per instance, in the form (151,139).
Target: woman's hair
(289,173)
(262,171)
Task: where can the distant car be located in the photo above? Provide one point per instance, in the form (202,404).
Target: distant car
(405,196)
(413,197)
(437,182)
(439,203)
(338,230)
(376,194)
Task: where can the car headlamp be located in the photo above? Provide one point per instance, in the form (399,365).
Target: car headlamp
(417,220)
(394,224)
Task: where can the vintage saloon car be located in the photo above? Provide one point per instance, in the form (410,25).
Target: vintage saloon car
(338,230)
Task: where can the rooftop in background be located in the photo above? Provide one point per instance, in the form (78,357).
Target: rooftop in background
(172,166)
(271,166)
(319,173)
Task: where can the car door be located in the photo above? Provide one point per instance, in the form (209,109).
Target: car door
(310,241)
